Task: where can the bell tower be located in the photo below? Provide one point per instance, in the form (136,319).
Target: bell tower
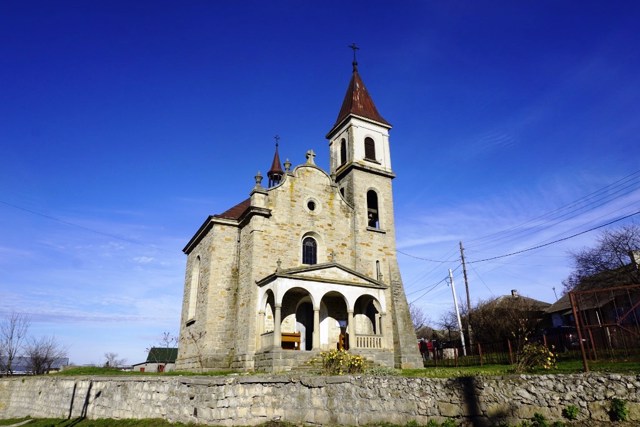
(360,164)
(360,158)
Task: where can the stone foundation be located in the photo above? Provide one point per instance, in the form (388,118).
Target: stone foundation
(349,400)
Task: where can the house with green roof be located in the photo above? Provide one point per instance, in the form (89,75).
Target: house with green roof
(159,359)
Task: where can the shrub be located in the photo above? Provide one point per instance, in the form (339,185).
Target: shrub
(571,412)
(539,420)
(340,362)
(619,410)
(448,423)
(535,356)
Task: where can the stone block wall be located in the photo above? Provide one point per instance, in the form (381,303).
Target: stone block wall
(348,400)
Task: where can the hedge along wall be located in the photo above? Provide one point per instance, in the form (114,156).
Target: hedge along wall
(349,400)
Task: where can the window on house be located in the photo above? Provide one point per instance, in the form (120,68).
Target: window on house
(373,219)
(343,152)
(369,149)
(309,251)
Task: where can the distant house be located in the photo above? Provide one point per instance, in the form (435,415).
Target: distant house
(536,307)
(159,359)
(602,298)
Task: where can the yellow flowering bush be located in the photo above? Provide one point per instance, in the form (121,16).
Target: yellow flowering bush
(535,356)
(340,362)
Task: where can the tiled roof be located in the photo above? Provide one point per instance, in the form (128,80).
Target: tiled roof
(622,276)
(162,354)
(236,211)
(535,304)
(358,102)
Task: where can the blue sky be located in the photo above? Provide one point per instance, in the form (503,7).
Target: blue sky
(124,124)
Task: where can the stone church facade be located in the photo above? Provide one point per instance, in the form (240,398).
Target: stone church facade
(306,263)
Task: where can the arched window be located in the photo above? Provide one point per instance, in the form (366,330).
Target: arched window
(343,152)
(373,219)
(369,149)
(193,289)
(309,251)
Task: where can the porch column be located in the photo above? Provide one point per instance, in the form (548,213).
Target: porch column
(277,337)
(316,329)
(351,330)
(378,325)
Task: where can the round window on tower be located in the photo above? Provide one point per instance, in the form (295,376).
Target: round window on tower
(311,205)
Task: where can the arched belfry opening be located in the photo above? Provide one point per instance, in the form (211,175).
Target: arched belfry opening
(343,152)
(373,215)
(369,149)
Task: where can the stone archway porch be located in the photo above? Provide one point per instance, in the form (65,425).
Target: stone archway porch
(333,296)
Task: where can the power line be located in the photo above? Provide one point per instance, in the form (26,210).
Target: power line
(72,224)
(587,203)
(555,241)
(420,258)
(430,289)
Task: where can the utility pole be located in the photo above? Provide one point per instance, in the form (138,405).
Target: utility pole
(455,303)
(466,286)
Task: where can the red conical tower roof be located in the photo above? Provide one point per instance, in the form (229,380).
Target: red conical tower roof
(357,101)
(275,173)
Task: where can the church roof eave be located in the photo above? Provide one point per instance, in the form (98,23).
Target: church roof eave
(237,216)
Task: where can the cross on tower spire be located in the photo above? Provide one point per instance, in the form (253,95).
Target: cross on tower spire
(355,61)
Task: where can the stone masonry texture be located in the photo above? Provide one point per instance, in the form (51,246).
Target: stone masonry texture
(348,400)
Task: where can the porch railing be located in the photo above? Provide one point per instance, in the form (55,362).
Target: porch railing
(368,341)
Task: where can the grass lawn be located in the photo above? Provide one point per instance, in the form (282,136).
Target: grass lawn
(83,422)
(564,367)
(96,370)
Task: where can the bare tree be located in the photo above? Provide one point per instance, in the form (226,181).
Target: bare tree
(420,322)
(43,353)
(449,322)
(198,345)
(612,252)
(13,333)
(418,318)
(112,360)
(168,340)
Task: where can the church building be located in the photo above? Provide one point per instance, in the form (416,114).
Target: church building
(306,264)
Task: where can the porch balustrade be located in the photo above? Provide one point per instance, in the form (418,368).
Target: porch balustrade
(362,341)
(369,341)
